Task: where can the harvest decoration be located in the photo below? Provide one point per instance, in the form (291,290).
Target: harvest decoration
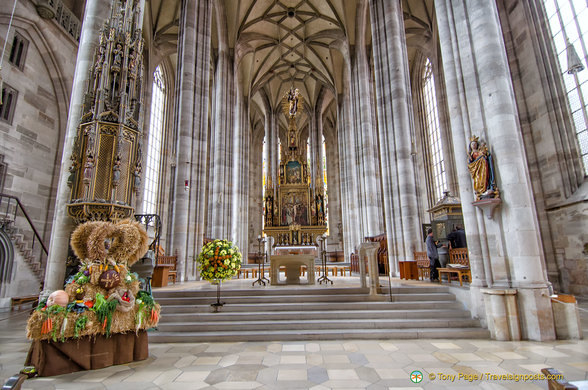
(219,260)
(100,298)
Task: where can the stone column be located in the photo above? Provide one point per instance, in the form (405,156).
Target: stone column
(364,128)
(240,174)
(395,126)
(192,121)
(94,16)
(222,146)
(334,189)
(352,223)
(255,189)
(479,74)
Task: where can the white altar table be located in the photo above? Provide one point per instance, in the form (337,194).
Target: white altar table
(292,264)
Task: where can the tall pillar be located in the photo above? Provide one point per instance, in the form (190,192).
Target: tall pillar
(395,126)
(222,147)
(240,173)
(334,190)
(94,16)
(509,244)
(192,121)
(364,127)
(352,223)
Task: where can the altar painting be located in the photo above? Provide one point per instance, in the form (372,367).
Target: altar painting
(293,172)
(295,208)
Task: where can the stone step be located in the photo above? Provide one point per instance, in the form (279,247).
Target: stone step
(319,334)
(305,298)
(343,324)
(311,306)
(284,291)
(314,315)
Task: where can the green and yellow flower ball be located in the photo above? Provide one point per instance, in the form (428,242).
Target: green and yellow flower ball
(219,260)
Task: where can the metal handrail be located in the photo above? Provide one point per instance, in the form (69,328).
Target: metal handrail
(26,215)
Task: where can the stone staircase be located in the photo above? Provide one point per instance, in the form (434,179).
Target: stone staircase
(313,313)
(23,246)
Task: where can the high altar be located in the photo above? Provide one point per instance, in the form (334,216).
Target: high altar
(294,213)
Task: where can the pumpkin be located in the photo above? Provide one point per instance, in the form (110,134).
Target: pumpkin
(58,297)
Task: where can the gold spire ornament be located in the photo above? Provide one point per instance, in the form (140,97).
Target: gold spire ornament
(105,173)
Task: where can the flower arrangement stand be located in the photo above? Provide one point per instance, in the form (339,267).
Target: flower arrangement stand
(218,304)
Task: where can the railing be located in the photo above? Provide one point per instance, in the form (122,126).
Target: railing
(55,9)
(8,215)
(153,221)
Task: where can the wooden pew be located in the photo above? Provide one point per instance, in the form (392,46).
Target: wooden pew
(170,262)
(423,264)
(459,264)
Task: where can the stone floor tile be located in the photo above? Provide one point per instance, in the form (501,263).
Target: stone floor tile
(535,368)
(331,346)
(228,360)
(466,357)
(314,359)
(237,385)
(317,375)
(391,373)
(350,347)
(293,348)
(313,347)
(292,375)
(346,384)
(143,376)
(274,347)
(446,345)
(168,376)
(338,375)
(185,361)
(388,347)
(289,359)
(192,376)
(421,357)
(445,357)
(335,359)
(581,365)
(507,355)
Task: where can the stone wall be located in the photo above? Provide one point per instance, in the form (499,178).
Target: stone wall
(32,143)
(550,145)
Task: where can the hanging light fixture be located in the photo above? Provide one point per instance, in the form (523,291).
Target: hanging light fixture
(574,63)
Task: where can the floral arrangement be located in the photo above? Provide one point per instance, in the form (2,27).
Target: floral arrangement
(219,260)
(104,296)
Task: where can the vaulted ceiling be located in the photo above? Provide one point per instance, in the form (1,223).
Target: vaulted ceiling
(285,43)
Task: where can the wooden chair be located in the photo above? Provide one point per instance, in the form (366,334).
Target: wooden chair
(171,261)
(458,257)
(423,264)
(556,381)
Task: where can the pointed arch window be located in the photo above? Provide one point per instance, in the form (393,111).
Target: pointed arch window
(433,131)
(568,21)
(155,142)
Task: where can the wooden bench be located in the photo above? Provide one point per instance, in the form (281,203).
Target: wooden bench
(458,257)
(18,301)
(423,264)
